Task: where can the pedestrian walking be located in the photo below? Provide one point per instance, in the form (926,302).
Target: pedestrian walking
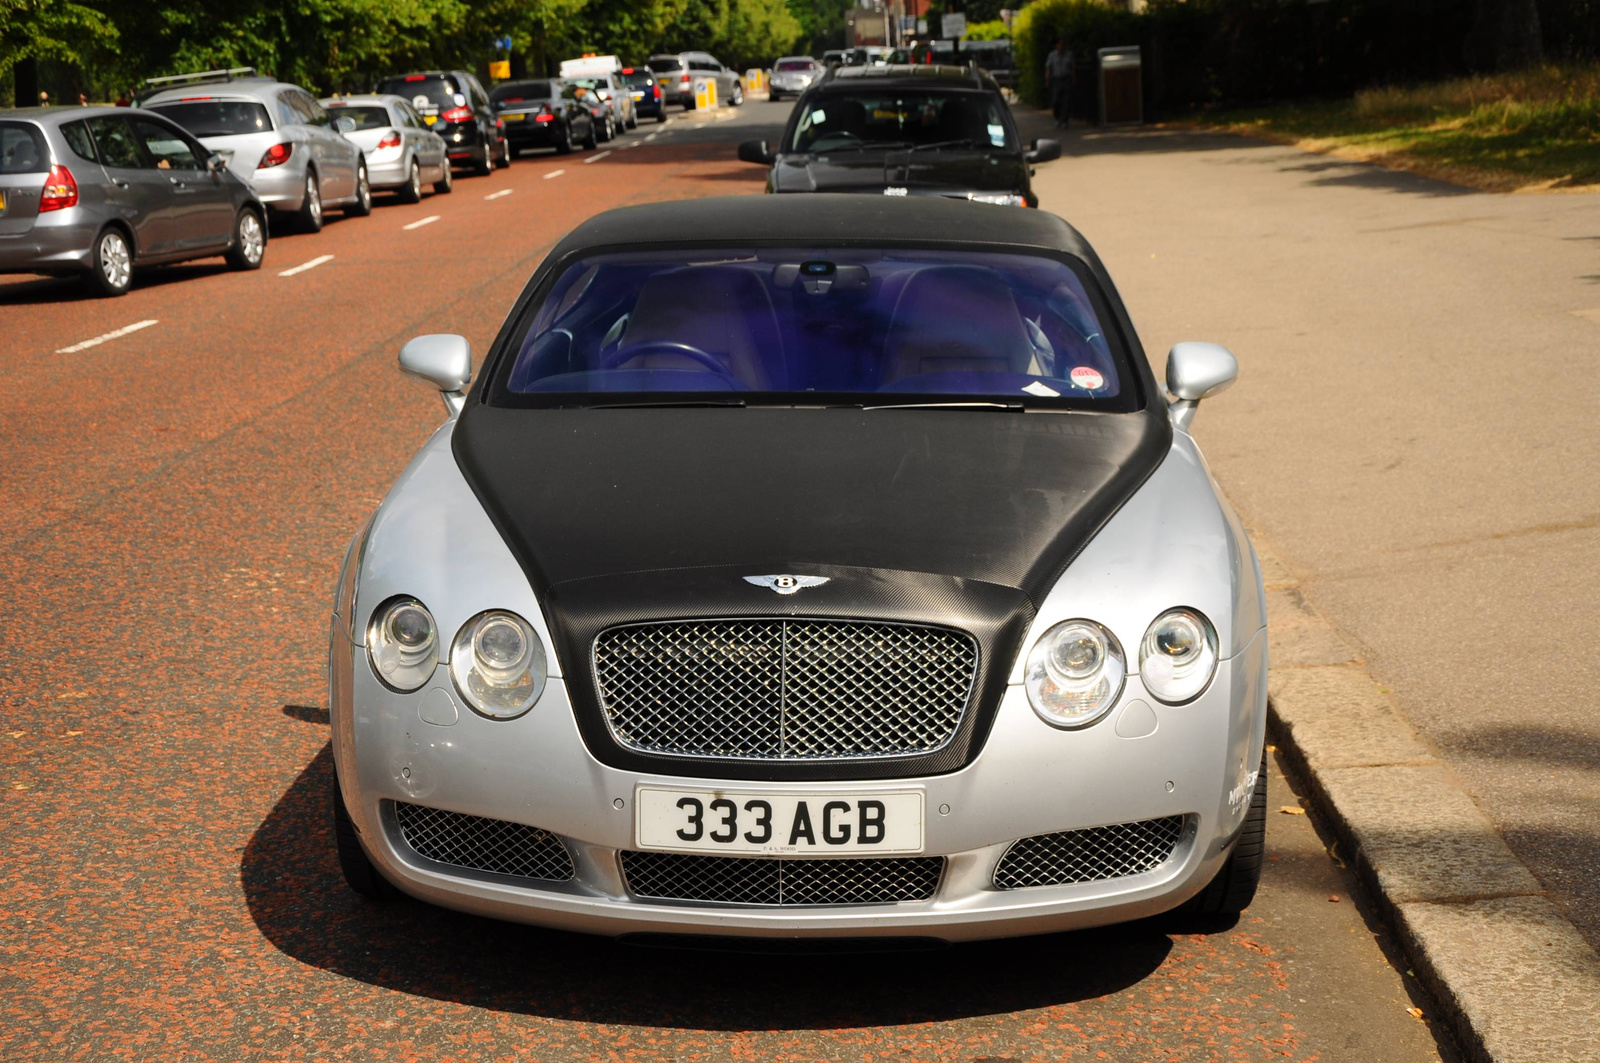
(1058,71)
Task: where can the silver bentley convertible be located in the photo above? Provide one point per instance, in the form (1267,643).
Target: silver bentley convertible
(813,566)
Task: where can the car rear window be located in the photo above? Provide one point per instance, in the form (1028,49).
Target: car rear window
(637,78)
(217,118)
(366,116)
(22,149)
(912,119)
(796,64)
(820,326)
(428,94)
(665,66)
(514,91)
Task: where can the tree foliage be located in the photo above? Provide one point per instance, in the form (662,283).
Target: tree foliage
(51,29)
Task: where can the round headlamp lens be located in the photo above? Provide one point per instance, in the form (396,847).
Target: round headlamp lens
(403,644)
(498,664)
(1074,673)
(1178,656)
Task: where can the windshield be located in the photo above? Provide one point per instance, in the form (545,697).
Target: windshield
(818,326)
(517,91)
(805,65)
(638,78)
(864,120)
(372,117)
(430,95)
(217,118)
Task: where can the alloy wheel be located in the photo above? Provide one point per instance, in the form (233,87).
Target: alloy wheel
(314,199)
(251,244)
(116,264)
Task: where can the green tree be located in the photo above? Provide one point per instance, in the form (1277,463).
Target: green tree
(31,30)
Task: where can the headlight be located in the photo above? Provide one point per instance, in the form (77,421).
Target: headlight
(1075,673)
(403,644)
(498,664)
(1178,656)
(999,200)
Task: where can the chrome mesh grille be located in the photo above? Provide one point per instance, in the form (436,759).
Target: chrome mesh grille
(492,845)
(771,880)
(1092,855)
(784,689)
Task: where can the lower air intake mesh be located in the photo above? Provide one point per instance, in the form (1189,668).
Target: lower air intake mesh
(492,845)
(770,880)
(1092,855)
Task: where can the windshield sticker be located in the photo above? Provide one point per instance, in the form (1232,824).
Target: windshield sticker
(1042,390)
(1087,378)
(818,117)
(997,135)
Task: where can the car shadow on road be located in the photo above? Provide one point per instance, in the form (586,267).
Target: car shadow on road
(44,290)
(298,900)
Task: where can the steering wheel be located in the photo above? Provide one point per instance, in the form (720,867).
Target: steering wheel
(627,354)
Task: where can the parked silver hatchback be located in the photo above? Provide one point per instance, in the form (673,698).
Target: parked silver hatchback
(96,191)
(274,135)
(402,153)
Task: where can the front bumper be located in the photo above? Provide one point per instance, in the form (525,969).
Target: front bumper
(1029,779)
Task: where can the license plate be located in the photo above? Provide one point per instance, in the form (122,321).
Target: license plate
(515,117)
(430,118)
(2,202)
(701,821)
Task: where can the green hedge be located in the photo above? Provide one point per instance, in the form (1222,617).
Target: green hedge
(1243,51)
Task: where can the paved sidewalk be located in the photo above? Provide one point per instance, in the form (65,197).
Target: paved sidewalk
(1414,430)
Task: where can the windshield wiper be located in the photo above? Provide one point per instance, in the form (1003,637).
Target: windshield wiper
(1011,407)
(878,145)
(648,404)
(964,142)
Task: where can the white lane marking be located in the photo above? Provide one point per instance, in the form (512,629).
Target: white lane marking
(302,267)
(554,173)
(502,192)
(113,334)
(631,144)
(429,220)
(596,158)
(651,136)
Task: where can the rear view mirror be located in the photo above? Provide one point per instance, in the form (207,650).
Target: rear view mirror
(1044,150)
(755,151)
(443,360)
(1197,371)
(216,162)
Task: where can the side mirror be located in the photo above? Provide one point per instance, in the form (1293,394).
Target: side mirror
(1197,371)
(345,124)
(755,151)
(1044,150)
(443,360)
(216,162)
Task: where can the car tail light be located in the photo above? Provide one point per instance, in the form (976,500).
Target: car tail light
(684,79)
(391,139)
(656,89)
(60,190)
(457,114)
(416,77)
(544,118)
(276,155)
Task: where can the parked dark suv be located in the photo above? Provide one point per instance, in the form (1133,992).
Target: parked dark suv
(455,106)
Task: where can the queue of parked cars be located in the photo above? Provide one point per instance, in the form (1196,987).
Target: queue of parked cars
(208,163)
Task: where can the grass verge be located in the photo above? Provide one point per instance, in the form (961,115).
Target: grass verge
(1532,130)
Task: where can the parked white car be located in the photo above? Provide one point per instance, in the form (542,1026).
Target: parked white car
(402,153)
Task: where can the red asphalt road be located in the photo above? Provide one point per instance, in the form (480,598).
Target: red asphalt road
(176,503)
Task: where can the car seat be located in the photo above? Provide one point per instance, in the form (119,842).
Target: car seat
(955,319)
(725,311)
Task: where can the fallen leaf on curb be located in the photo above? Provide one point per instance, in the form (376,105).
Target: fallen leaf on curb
(71,734)
(1333,898)
(22,786)
(1333,854)
(1272,749)
(1291,810)
(16,734)
(1415,1013)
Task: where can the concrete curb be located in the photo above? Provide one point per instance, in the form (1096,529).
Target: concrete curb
(1516,982)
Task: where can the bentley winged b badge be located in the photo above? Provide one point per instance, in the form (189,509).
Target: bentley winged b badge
(786,584)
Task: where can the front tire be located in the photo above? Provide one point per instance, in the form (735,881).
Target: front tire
(249,245)
(446,183)
(411,191)
(1231,892)
(504,161)
(564,145)
(591,141)
(363,204)
(737,98)
(358,871)
(111,264)
(309,217)
(484,166)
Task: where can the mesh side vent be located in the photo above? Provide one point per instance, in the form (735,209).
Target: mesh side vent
(784,689)
(492,845)
(770,880)
(1092,855)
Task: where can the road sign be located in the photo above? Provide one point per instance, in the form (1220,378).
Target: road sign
(953,26)
(500,69)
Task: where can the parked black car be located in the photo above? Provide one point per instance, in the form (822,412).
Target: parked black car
(648,99)
(98,192)
(455,106)
(543,114)
(904,130)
